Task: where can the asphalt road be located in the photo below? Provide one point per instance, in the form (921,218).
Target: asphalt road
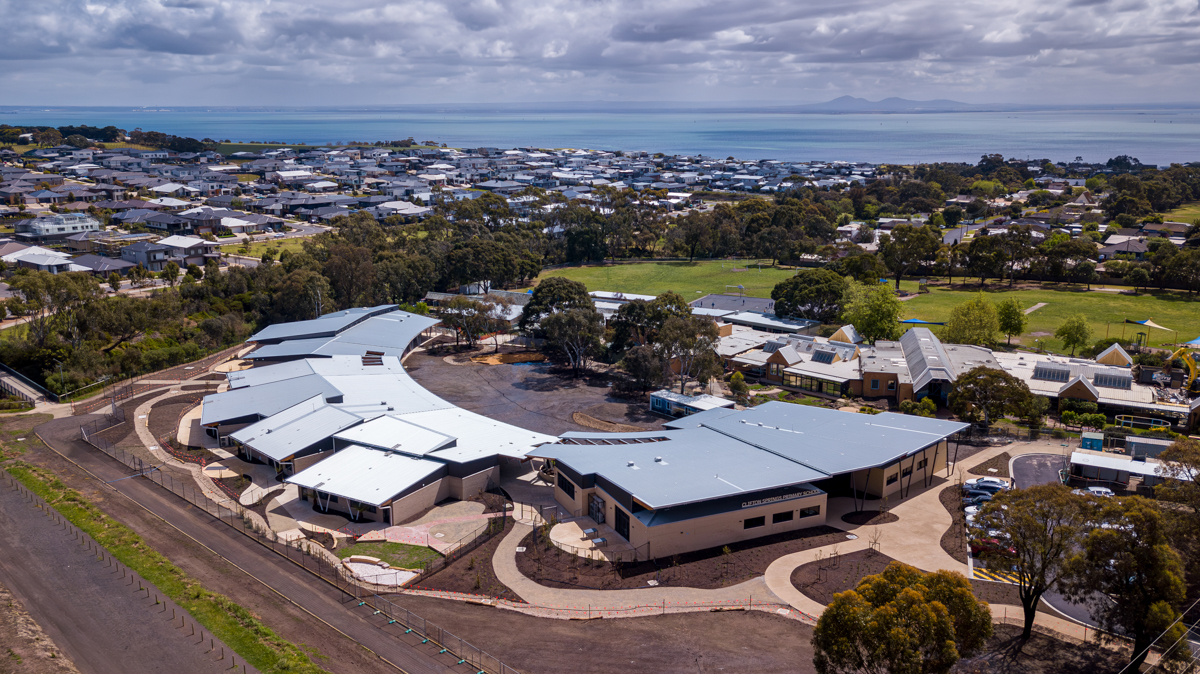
(274,571)
(1030,470)
(96,616)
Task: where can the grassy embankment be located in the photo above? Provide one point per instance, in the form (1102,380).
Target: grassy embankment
(237,627)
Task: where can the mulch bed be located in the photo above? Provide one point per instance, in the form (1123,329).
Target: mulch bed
(472,573)
(236,484)
(215,376)
(821,580)
(954,541)
(869,517)
(999,462)
(199,387)
(705,569)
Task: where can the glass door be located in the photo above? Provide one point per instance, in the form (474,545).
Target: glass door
(622,523)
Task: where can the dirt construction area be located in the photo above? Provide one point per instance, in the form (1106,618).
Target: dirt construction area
(537,396)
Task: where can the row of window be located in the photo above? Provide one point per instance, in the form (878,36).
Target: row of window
(891,385)
(778,518)
(905,472)
(812,384)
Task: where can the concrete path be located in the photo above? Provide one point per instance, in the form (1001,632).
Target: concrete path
(1034,308)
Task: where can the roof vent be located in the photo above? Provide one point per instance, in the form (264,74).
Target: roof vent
(658,459)
(630,464)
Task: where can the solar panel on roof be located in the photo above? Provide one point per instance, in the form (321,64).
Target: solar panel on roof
(1113,380)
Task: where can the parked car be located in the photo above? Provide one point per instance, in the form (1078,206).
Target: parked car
(981,546)
(1103,492)
(977,481)
(976,498)
(985,486)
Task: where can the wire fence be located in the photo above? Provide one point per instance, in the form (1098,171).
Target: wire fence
(306,554)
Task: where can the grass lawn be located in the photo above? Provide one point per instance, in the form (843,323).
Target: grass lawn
(257,248)
(692,280)
(1105,312)
(1185,213)
(399,555)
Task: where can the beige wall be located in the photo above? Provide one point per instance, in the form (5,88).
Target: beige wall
(874,481)
(425,497)
(464,488)
(700,533)
(308,461)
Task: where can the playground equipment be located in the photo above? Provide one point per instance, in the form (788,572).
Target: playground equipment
(1131,421)
(1190,361)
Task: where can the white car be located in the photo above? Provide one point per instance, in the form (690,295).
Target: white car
(988,481)
(1103,492)
(971,511)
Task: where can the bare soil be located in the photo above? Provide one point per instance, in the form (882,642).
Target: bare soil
(121,434)
(237,484)
(821,580)
(954,541)
(199,387)
(472,573)
(215,376)
(999,462)
(24,646)
(744,641)
(706,569)
(1006,654)
(869,517)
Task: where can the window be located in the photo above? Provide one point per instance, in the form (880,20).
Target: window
(906,472)
(331,499)
(781,517)
(922,463)
(775,369)
(567,486)
(755,522)
(892,385)
(891,479)
(874,384)
(810,512)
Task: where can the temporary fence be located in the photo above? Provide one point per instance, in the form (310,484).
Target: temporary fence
(302,552)
(114,392)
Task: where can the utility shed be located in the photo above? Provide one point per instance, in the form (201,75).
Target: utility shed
(1139,447)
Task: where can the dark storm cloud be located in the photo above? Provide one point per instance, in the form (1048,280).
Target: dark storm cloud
(382,51)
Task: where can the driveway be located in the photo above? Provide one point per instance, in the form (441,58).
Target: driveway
(1033,469)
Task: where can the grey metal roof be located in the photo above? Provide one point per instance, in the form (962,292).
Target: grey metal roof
(388,334)
(927,360)
(830,441)
(325,326)
(308,422)
(366,475)
(696,465)
(263,400)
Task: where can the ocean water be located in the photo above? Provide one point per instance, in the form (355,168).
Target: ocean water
(1155,136)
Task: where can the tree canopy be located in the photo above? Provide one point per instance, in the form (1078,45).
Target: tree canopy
(901,621)
(973,322)
(815,294)
(983,394)
(873,309)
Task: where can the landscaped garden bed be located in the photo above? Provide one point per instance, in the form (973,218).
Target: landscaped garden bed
(707,569)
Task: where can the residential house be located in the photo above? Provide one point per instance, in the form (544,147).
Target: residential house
(151,256)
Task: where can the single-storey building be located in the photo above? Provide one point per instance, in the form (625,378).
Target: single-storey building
(725,475)
(675,404)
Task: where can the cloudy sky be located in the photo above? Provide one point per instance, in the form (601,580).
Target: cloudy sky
(330,52)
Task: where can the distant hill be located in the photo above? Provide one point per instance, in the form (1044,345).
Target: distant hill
(852,104)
